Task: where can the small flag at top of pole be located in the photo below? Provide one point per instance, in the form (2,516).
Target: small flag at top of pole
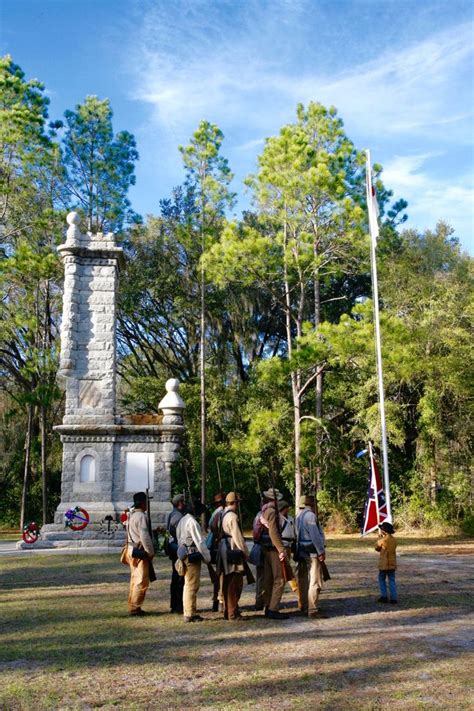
(372,205)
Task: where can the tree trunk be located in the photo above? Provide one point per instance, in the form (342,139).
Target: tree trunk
(319,378)
(317,294)
(26,470)
(319,414)
(297,429)
(202,350)
(47,339)
(433,477)
(203,391)
(44,479)
(295,379)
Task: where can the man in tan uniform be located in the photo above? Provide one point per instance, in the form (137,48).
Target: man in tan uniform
(231,539)
(190,538)
(138,537)
(257,531)
(274,555)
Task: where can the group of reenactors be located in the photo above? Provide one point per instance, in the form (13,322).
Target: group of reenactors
(277,540)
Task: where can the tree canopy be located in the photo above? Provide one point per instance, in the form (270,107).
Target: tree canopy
(266,319)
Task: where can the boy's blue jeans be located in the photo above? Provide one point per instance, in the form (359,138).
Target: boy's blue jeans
(391,582)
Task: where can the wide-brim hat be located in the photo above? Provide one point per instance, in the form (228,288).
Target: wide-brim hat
(305,500)
(273,494)
(387,527)
(232,498)
(139,498)
(198,508)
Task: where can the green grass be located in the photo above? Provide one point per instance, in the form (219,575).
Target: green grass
(67,641)
(9,535)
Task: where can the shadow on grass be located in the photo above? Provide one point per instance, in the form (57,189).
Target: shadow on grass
(54,571)
(190,661)
(92,634)
(81,627)
(88,606)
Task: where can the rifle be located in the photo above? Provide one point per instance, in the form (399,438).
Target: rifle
(286,569)
(259,491)
(322,563)
(219,474)
(212,573)
(247,572)
(151,569)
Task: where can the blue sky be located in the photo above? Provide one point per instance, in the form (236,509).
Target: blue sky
(400,73)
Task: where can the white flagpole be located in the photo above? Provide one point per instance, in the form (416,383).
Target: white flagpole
(373,228)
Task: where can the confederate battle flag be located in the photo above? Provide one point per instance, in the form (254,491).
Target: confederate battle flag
(375,507)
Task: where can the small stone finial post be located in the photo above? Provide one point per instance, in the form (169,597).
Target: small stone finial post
(73,233)
(172,404)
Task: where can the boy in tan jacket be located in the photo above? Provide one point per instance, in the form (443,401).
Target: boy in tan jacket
(387,545)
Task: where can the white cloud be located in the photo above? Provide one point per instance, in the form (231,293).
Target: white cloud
(416,99)
(403,90)
(413,89)
(451,201)
(250,145)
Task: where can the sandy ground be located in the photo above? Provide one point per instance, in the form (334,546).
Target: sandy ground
(68,643)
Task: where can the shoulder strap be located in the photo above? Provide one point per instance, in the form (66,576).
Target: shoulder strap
(300,521)
(171,527)
(220,531)
(129,538)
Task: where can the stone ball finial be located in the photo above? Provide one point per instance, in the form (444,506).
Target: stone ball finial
(172,404)
(172,385)
(73,234)
(73,218)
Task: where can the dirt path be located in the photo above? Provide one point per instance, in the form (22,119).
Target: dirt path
(67,642)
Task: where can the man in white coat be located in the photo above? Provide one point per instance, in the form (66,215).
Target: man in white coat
(189,535)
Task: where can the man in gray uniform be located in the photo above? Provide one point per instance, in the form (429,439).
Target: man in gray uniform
(177,581)
(311,552)
(212,541)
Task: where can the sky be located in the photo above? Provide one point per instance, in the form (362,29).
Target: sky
(400,73)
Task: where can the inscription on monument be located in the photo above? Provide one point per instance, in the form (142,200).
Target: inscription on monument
(89,393)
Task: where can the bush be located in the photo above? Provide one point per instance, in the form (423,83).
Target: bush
(467,525)
(335,516)
(416,513)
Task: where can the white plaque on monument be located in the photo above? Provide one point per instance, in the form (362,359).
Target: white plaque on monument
(139,471)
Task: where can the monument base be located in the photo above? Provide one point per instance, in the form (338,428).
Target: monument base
(94,536)
(104,465)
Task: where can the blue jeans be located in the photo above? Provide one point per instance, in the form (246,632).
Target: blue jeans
(391,582)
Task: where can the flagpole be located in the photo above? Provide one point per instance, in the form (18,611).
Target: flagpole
(373,228)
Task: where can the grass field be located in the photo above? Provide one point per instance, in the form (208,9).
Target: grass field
(67,642)
(9,534)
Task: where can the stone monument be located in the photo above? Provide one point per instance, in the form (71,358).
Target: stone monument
(106,457)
